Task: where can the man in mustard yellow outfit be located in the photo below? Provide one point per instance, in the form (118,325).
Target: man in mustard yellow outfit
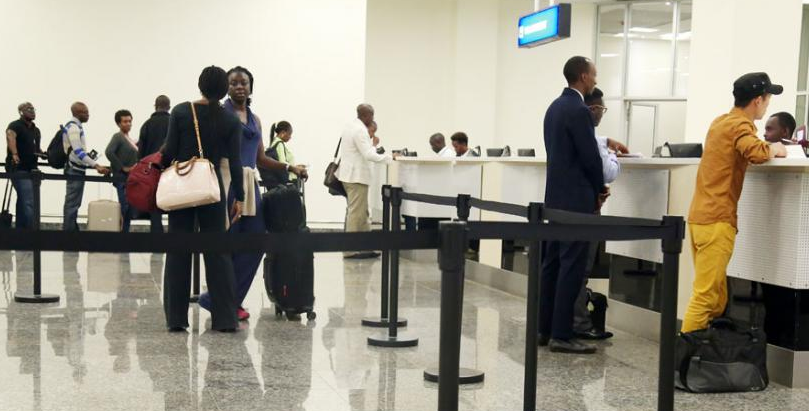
(730,146)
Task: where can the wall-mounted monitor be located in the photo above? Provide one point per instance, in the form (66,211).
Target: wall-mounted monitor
(544,26)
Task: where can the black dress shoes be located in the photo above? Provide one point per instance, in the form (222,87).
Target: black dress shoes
(543,340)
(593,334)
(570,347)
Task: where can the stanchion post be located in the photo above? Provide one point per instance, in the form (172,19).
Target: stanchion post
(463,206)
(385,284)
(451,261)
(393,339)
(532,312)
(382,320)
(37,296)
(195,279)
(672,247)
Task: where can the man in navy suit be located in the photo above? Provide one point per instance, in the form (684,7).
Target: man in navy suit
(575,182)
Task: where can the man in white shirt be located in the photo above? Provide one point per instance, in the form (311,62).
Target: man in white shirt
(607,148)
(583,326)
(439,146)
(460,142)
(357,152)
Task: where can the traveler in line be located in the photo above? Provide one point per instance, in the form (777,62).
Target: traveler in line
(23,139)
(220,133)
(460,143)
(123,154)
(575,182)
(439,146)
(150,139)
(730,146)
(78,161)
(356,155)
(280,134)
(608,148)
(245,265)
(779,128)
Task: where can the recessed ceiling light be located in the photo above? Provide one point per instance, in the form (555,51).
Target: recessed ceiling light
(643,30)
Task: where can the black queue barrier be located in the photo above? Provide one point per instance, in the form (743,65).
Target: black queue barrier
(36,178)
(552,225)
(393,339)
(451,240)
(382,320)
(464,204)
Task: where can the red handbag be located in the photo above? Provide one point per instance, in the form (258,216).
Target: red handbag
(141,185)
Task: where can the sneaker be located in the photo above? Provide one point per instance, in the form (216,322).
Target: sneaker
(242,314)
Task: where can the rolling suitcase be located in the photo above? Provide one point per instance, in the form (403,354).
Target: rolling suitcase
(104,215)
(288,276)
(289,280)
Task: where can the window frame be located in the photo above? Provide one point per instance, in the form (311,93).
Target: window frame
(624,100)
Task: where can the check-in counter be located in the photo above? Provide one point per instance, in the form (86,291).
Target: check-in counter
(768,274)
(437,176)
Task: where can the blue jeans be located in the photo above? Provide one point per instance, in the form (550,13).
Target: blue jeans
(25,202)
(126,211)
(74,191)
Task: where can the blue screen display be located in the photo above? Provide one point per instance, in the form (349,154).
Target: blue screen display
(539,26)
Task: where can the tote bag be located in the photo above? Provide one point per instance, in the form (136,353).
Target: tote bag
(189,183)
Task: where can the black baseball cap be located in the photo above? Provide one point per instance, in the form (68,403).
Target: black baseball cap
(752,85)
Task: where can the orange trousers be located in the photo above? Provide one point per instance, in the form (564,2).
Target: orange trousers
(711,247)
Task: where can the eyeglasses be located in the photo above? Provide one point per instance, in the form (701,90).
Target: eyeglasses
(598,108)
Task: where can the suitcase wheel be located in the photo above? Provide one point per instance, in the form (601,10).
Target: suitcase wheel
(278,311)
(311,315)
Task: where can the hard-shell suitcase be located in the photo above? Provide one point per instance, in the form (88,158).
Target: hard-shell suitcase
(283,209)
(104,215)
(288,275)
(289,280)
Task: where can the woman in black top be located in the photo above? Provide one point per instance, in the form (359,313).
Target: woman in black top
(220,133)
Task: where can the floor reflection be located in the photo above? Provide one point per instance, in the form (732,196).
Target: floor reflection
(104,346)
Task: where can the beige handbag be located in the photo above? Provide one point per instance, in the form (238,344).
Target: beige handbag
(189,183)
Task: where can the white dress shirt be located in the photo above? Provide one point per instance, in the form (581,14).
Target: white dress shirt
(609,161)
(356,154)
(447,151)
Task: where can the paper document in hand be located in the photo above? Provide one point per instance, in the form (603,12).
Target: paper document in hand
(631,155)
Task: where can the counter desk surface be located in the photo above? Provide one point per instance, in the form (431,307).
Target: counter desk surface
(773,209)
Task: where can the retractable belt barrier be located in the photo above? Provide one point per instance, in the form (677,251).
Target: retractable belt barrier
(451,240)
(543,225)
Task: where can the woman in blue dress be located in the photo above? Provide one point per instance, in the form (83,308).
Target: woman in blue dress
(245,265)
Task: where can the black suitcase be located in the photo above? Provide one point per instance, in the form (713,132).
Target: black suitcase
(289,280)
(725,357)
(283,208)
(288,276)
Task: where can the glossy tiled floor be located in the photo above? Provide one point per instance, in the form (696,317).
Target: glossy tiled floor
(104,347)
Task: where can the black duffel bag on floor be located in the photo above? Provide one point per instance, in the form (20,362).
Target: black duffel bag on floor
(725,357)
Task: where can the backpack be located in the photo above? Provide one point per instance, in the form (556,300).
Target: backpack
(725,357)
(57,156)
(273,178)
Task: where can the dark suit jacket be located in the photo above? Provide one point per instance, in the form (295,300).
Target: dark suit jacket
(575,174)
(153,133)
